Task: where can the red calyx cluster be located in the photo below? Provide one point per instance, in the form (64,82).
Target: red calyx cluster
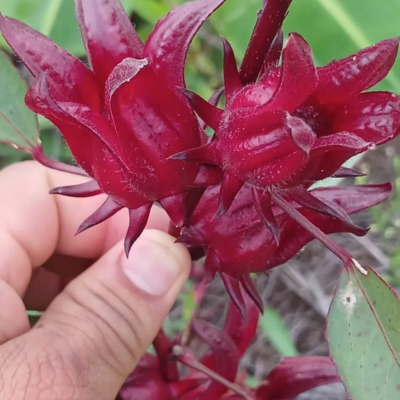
(215,375)
(123,117)
(285,125)
(238,243)
(289,124)
(242,195)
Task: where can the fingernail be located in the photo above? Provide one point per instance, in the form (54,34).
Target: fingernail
(151,267)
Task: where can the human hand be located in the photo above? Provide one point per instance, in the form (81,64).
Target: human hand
(95,329)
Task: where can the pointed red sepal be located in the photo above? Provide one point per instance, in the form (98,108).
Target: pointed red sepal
(86,189)
(191,237)
(373,117)
(233,82)
(295,375)
(344,172)
(299,76)
(242,331)
(263,205)
(305,199)
(39,156)
(216,96)
(176,208)
(274,55)
(251,290)
(42,97)
(353,199)
(344,79)
(230,187)
(205,154)
(210,114)
(309,223)
(208,176)
(180,207)
(268,24)
(168,44)
(137,222)
(108,34)
(211,265)
(99,127)
(40,54)
(233,287)
(332,151)
(107,210)
(225,354)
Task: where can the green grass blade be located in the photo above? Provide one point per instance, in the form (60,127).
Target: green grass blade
(276,332)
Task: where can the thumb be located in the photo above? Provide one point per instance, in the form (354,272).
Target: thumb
(96,330)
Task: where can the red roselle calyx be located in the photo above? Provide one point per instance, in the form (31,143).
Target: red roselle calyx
(238,243)
(289,124)
(123,117)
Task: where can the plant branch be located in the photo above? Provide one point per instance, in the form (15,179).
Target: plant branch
(341,253)
(39,155)
(185,357)
(169,367)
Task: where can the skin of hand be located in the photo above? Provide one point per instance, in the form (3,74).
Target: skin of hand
(102,310)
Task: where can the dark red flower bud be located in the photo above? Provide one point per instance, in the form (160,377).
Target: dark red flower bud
(287,126)
(124,117)
(298,123)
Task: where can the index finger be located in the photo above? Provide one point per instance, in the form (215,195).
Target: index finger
(35,224)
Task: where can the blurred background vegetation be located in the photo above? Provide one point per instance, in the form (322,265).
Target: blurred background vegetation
(334,28)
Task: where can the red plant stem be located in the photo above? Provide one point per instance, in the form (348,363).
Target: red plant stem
(341,253)
(169,366)
(186,358)
(38,155)
(264,33)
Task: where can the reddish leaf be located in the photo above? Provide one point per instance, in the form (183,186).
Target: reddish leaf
(232,80)
(267,26)
(108,35)
(373,117)
(296,375)
(298,78)
(40,54)
(226,357)
(344,79)
(168,44)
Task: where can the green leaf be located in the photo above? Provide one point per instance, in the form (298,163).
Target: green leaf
(34,317)
(235,21)
(18,125)
(275,330)
(364,336)
(149,10)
